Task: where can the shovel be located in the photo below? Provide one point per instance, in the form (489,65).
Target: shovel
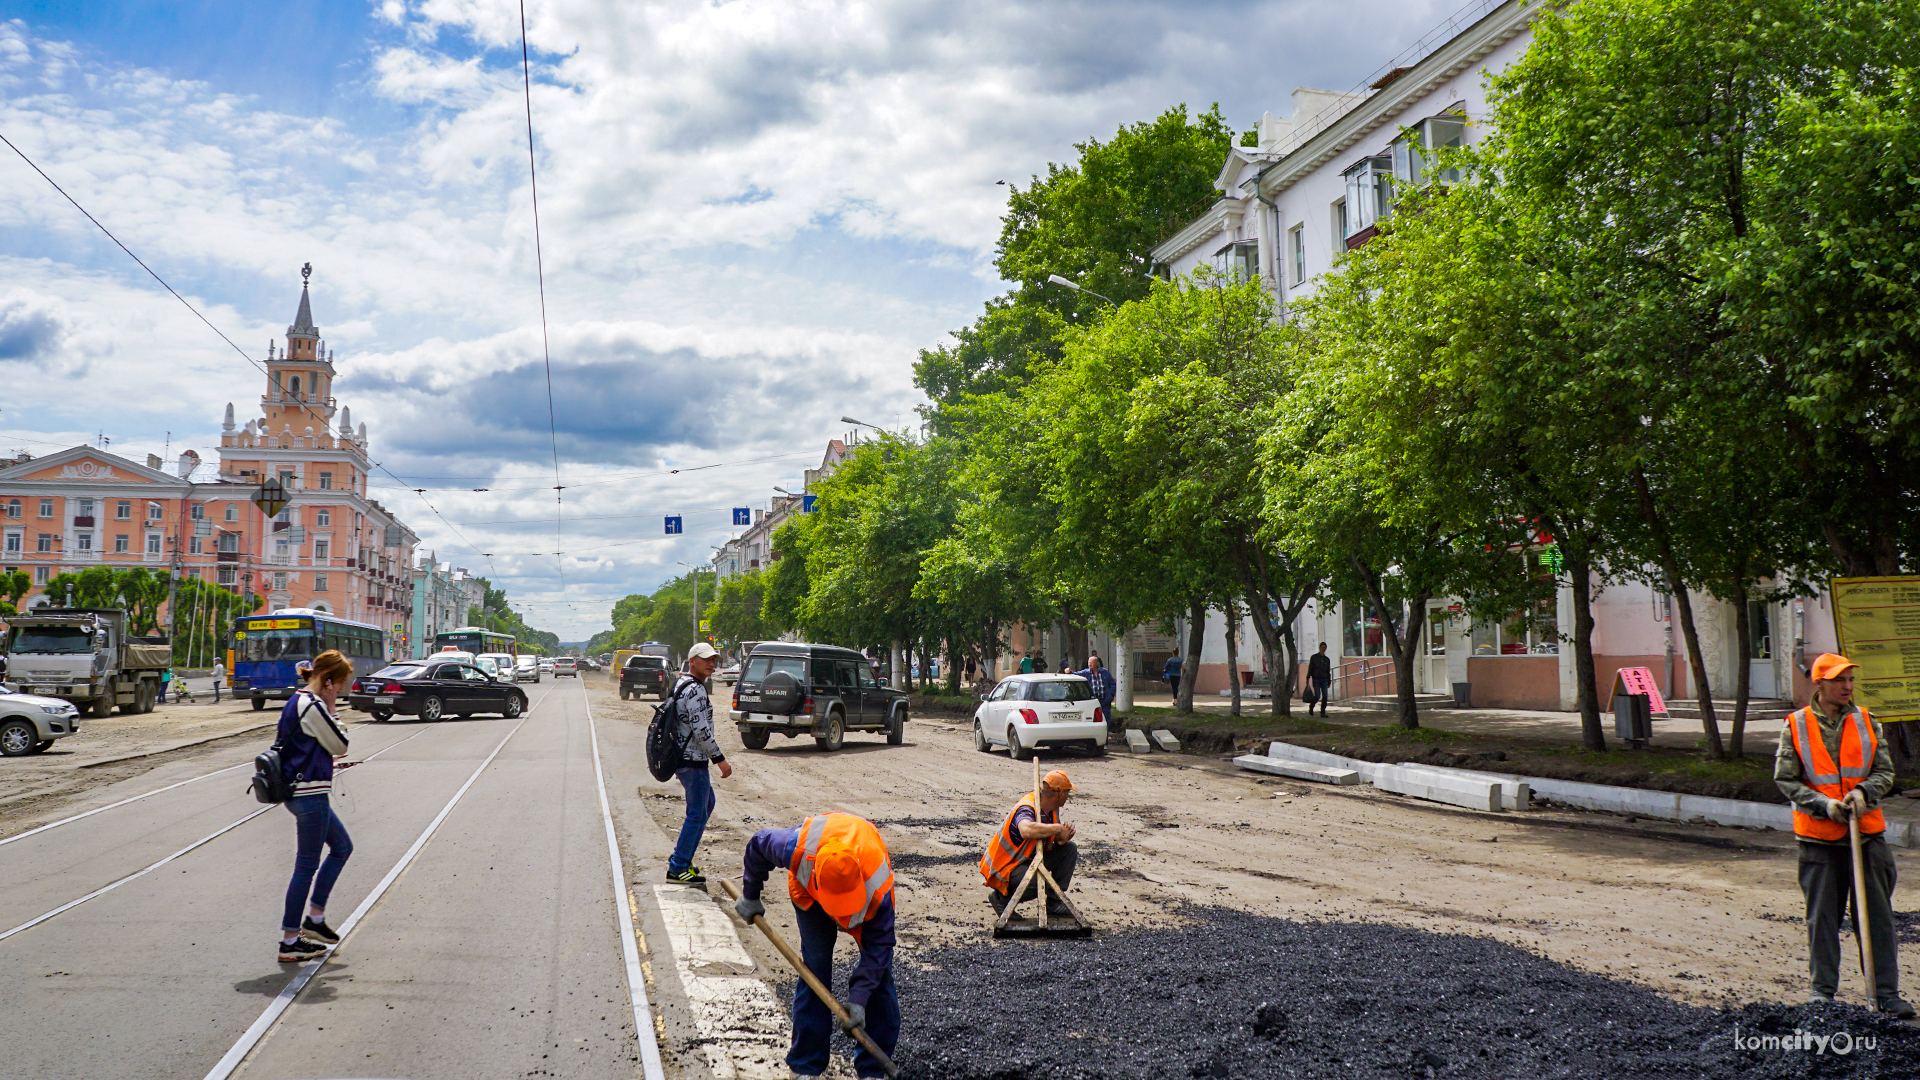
(813,982)
(1862,935)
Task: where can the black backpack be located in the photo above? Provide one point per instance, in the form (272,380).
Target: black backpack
(269,779)
(666,747)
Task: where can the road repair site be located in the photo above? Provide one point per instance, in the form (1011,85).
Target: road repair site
(1243,924)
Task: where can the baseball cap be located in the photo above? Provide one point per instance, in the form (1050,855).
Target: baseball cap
(1831,666)
(837,881)
(701,650)
(1057,781)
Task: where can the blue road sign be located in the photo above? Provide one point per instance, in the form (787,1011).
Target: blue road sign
(806,503)
(673,525)
(742,515)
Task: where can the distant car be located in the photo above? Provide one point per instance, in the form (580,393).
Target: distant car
(431,689)
(643,675)
(1028,711)
(589,663)
(489,665)
(565,665)
(502,663)
(729,674)
(456,655)
(546,665)
(527,669)
(796,688)
(29,722)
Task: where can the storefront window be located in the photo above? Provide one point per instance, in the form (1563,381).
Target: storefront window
(1532,632)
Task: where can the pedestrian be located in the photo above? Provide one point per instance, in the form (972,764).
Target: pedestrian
(840,879)
(1032,827)
(1026,664)
(310,739)
(1834,766)
(1104,688)
(1171,673)
(166,680)
(219,677)
(1319,678)
(973,669)
(694,720)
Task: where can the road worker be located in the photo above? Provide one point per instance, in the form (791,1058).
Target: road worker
(1032,827)
(840,879)
(1834,766)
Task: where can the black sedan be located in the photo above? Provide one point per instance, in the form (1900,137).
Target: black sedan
(433,689)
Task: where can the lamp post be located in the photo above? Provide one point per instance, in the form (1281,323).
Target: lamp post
(1056,279)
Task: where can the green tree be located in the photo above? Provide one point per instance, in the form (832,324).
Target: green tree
(734,614)
(13,587)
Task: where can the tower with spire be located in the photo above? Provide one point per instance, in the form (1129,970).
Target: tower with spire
(300,379)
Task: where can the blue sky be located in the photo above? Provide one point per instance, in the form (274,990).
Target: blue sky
(753,214)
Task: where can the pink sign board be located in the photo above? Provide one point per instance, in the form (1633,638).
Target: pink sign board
(1639,680)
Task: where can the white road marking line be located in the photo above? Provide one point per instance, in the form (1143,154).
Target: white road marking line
(744,1032)
(102,890)
(643,1028)
(258,1029)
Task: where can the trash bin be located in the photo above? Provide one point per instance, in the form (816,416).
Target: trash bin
(1463,695)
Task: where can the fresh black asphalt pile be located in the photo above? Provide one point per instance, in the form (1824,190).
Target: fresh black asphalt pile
(1228,994)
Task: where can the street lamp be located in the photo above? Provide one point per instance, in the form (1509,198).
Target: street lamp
(1056,279)
(696,597)
(860,423)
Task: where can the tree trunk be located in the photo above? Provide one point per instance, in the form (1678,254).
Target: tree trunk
(1580,568)
(954,660)
(1190,654)
(1405,653)
(1233,655)
(1743,675)
(1670,565)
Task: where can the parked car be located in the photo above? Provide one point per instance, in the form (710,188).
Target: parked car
(431,689)
(526,669)
(566,665)
(796,688)
(30,722)
(729,674)
(1028,711)
(643,675)
(588,663)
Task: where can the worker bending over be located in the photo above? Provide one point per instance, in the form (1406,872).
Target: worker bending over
(840,878)
(1833,765)
(1030,828)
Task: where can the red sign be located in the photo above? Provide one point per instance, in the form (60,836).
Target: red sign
(1639,680)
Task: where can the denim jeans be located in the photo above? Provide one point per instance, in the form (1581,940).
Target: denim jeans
(699,808)
(813,1021)
(316,824)
(1320,695)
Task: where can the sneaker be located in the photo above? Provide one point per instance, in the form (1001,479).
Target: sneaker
(1817,998)
(300,950)
(319,931)
(1897,1007)
(690,876)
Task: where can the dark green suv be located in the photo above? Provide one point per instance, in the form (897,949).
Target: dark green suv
(825,691)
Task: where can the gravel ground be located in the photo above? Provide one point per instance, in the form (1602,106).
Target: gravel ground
(1229,994)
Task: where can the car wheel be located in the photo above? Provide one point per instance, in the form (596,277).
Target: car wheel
(1098,746)
(432,709)
(149,695)
(18,738)
(259,703)
(1015,750)
(831,732)
(624,694)
(515,706)
(755,738)
(980,742)
(383,714)
(897,733)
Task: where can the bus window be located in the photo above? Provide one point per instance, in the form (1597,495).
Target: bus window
(278,645)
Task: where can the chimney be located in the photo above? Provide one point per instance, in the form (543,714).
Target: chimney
(154,462)
(189,461)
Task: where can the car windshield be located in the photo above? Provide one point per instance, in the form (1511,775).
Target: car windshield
(273,645)
(488,665)
(760,667)
(50,639)
(401,671)
(1064,690)
(647,661)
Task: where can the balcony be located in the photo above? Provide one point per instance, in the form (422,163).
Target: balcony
(226,556)
(84,522)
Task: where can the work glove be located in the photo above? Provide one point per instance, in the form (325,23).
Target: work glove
(1856,800)
(1837,810)
(856,1017)
(747,909)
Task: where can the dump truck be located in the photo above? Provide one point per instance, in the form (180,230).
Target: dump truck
(86,656)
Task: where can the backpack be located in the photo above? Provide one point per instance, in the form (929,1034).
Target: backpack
(269,779)
(666,748)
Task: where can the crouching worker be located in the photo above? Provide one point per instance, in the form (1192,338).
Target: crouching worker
(839,878)
(1027,830)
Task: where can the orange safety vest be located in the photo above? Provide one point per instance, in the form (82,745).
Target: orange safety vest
(1004,852)
(1819,771)
(871,852)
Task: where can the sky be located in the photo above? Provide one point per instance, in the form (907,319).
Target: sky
(753,215)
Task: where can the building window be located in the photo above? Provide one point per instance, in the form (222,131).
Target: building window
(123,509)
(229,542)
(279,581)
(13,543)
(319,583)
(233,512)
(227,575)
(294,386)
(1369,200)
(43,542)
(1363,636)
(1297,245)
(326,480)
(83,541)
(198,511)
(13,508)
(193,546)
(153,543)
(119,543)
(86,508)
(320,549)
(41,574)
(46,507)
(153,511)
(1410,151)
(286,479)
(1532,632)
(1338,220)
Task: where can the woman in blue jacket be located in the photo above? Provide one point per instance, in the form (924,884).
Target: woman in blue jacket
(310,739)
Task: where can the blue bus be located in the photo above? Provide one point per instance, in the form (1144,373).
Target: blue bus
(267,648)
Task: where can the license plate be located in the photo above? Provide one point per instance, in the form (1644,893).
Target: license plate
(386,699)
(1066,716)
(43,690)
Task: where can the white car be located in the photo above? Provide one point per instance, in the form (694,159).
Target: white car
(29,722)
(1027,711)
(565,665)
(546,666)
(527,669)
(502,668)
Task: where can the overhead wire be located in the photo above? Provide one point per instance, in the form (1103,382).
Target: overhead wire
(539,265)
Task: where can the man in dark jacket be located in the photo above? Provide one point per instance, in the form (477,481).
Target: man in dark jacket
(1319,677)
(696,726)
(1104,688)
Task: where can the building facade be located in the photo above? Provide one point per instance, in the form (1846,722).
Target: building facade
(331,548)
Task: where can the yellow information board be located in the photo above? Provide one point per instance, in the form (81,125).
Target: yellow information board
(276,624)
(1877,621)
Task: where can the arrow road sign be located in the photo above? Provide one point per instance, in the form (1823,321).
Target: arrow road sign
(673,525)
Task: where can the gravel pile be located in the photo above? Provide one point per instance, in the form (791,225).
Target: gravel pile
(1227,994)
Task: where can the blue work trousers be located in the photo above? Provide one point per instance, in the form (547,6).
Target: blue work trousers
(699,788)
(316,824)
(813,1021)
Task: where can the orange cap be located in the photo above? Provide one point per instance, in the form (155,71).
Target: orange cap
(1831,666)
(1057,781)
(837,882)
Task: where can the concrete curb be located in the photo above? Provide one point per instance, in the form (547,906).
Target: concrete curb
(1298,770)
(180,746)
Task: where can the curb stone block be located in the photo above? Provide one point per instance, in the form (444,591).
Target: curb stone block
(1298,770)
(1137,741)
(1439,787)
(1164,740)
